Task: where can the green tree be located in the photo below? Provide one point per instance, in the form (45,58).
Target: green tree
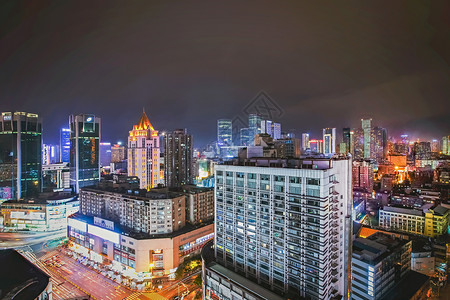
(198,280)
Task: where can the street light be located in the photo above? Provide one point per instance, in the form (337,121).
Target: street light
(151,275)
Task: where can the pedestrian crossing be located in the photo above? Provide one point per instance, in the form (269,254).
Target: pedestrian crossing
(133,296)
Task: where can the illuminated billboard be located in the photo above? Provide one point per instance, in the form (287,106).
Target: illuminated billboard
(103,223)
(104,234)
(76,224)
(28,215)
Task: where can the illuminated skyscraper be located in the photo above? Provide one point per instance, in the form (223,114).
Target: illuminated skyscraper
(105,154)
(224,132)
(144,154)
(329,141)
(379,145)
(20,154)
(178,162)
(85,132)
(245,137)
(305,141)
(64,145)
(446,145)
(347,140)
(366,125)
(271,128)
(254,126)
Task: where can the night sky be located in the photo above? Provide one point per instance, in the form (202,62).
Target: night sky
(324,63)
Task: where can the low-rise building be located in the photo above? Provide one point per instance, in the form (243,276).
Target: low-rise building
(40,214)
(429,221)
(378,264)
(136,255)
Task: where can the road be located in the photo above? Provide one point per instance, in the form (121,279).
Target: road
(18,239)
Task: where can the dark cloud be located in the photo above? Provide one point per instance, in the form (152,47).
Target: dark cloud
(326,63)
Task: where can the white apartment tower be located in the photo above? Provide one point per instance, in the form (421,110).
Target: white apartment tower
(286,224)
(143,154)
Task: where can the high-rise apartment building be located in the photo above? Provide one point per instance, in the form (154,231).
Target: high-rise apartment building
(178,164)
(366,125)
(305,141)
(20,154)
(329,141)
(85,132)
(144,153)
(224,132)
(117,153)
(285,225)
(254,126)
(363,175)
(64,145)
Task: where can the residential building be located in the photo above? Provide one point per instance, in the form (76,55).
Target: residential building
(85,133)
(288,147)
(178,165)
(144,153)
(363,174)
(117,153)
(199,204)
(284,224)
(20,154)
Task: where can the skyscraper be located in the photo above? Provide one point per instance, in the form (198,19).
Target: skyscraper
(64,145)
(262,232)
(144,153)
(446,145)
(254,126)
(105,154)
(271,128)
(20,153)
(245,137)
(329,141)
(224,132)
(85,133)
(366,125)
(347,139)
(379,144)
(178,158)
(305,141)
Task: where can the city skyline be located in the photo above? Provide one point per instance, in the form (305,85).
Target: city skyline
(211,69)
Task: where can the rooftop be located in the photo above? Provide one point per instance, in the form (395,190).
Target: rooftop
(138,194)
(376,247)
(401,210)
(407,287)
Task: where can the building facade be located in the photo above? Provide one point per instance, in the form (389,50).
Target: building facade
(286,224)
(64,145)
(85,133)
(20,154)
(199,204)
(178,160)
(144,153)
(224,132)
(329,141)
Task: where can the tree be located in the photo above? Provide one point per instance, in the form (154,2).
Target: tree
(198,280)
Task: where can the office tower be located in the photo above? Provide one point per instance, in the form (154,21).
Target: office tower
(144,153)
(446,145)
(224,132)
(358,144)
(366,125)
(105,154)
(85,133)
(271,128)
(254,126)
(379,263)
(305,141)
(64,145)
(20,154)
(245,137)
(273,240)
(178,168)
(378,144)
(117,153)
(50,154)
(329,141)
(348,140)
(316,146)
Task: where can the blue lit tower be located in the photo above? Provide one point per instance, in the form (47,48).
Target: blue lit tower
(64,145)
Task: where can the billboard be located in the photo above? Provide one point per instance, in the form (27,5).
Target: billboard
(104,234)
(104,223)
(73,223)
(28,215)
